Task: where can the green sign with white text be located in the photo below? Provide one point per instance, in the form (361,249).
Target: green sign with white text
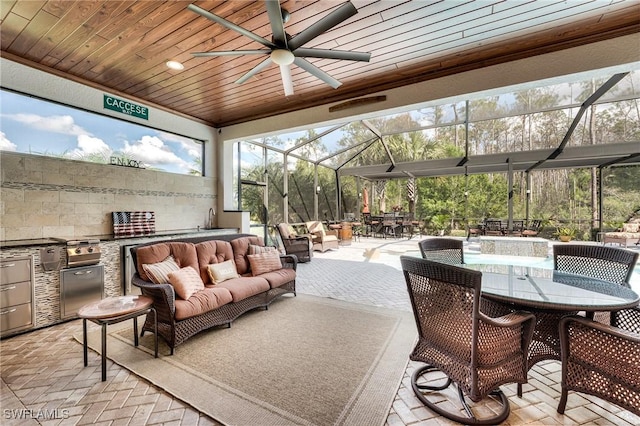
(126,107)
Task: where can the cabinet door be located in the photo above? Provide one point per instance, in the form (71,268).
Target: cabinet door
(15,294)
(15,317)
(15,271)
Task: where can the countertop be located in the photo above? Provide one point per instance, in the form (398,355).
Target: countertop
(110,237)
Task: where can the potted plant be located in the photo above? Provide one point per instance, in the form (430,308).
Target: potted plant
(565,233)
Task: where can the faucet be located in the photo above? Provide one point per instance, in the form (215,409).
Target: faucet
(212,213)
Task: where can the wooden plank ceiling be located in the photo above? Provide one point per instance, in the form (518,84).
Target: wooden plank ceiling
(122,46)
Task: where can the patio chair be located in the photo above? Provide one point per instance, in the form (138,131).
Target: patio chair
(518,228)
(390,225)
(299,245)
(601,360)
(605,263)
(476,352)
(407,225)
(322,240)
(533,229)
(493,227)
(443,250)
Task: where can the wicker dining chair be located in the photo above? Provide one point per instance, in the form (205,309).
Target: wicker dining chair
(605,263)
(476,352)
(602,360)
(443,250)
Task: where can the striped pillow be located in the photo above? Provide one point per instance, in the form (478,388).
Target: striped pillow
(256,249)
(159,272)
(264,262)
(186,282)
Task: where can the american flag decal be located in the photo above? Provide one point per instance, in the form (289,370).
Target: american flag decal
(129,224)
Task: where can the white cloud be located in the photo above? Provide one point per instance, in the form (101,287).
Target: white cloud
(152,150)
(192,147)
(88,145)
(56,123)
(6,144)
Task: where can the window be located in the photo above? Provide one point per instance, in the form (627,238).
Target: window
(35,126)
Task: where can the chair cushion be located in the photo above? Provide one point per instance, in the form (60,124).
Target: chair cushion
(243,287)
(279,277)
(264,262)
(202,301)
(159,272)
(186,282)
(219,272)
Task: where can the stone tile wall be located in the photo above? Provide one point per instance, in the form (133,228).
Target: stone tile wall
(44,197)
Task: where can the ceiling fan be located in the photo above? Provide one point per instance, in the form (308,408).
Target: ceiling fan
(285,50)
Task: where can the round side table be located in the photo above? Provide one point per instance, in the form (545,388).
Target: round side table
(113,310)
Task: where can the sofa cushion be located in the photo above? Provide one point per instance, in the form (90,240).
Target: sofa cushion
(264,262)
(159,272)
(244,287)
(183,253)
(241,251)
(202,301)
(279,277)
(186,282)
(219,272)
(212,252)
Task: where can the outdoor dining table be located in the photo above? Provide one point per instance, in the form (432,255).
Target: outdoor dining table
(549,295)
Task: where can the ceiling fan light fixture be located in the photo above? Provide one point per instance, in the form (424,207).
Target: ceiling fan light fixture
(175,65)
(282,57)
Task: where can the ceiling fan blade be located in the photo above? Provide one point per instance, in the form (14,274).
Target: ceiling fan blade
(339,15)
(287,82)
(277,25)
(262,65)
(230,25)
(232,53)
(332,54)
(317,72)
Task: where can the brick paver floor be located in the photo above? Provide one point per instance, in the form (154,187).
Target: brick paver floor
(44,381)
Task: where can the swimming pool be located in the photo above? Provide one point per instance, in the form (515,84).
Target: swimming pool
(535,262)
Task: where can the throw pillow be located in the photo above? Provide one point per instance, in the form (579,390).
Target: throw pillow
(264,262)
(186,282)
(159,272)
(222,271)
(256,249)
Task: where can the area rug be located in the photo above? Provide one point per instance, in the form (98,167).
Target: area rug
(306,360)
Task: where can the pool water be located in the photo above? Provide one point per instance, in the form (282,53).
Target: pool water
(535,262)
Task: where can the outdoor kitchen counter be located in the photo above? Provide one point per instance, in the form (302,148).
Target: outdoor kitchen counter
(110,237)
(30,243)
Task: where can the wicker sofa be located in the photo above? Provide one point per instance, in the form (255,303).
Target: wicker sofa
(217,303)
(628,234)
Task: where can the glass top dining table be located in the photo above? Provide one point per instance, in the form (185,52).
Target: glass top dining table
(540,288)
(549,295)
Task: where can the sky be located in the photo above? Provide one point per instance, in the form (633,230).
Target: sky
(34,126)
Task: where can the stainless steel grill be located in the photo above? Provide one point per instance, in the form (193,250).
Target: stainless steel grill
(83,253)
(82,281)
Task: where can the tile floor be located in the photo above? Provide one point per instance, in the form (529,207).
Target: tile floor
(44,381)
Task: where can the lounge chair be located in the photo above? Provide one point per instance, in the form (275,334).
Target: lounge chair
(323,240)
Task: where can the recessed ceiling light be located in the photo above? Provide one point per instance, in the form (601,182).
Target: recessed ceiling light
(175,65)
